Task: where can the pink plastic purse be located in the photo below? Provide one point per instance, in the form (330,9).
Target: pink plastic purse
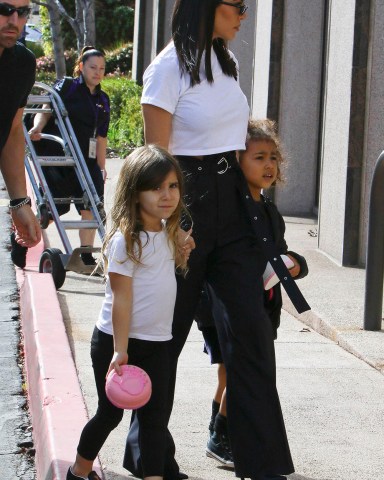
(131,390)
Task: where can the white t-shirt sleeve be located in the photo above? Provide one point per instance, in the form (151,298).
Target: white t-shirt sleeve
(118,261)
(161,84)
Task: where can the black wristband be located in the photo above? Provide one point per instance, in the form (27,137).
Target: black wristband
(19,202)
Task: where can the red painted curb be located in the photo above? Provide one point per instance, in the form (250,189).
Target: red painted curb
(56,402)
(55,398)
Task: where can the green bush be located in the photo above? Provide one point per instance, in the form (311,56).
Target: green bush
(36,48)
(114,22)
(46,77)
(119,59)
(126,127)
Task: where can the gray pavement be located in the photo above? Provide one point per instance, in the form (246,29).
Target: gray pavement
(15,430)
(332,397)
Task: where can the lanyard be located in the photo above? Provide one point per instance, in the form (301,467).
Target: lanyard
(95,108)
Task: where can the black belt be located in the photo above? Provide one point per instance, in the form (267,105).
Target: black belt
(219,163)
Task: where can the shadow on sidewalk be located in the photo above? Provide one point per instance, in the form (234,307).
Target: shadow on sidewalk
(115,476)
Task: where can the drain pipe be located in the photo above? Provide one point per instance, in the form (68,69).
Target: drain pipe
(374,273)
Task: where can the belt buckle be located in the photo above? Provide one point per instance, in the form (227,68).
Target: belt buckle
(227,166)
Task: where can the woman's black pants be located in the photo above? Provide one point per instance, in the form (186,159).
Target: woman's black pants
(152,417)
(229,258)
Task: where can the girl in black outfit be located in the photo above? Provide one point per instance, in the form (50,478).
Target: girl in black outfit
(261,165)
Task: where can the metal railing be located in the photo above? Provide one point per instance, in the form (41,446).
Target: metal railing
(374,273)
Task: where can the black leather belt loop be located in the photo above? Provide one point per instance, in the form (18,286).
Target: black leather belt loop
(269,248)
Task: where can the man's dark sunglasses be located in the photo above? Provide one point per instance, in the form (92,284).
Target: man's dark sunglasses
(241,6)
(7,10)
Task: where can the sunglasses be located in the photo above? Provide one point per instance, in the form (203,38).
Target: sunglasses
(241,6)
(7,10)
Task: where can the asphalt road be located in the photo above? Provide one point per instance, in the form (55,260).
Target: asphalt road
(16,446)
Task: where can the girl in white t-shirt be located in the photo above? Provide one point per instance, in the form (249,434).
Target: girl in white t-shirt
(141,252)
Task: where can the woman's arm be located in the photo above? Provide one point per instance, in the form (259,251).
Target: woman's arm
(157,125)
(101,154)
(121,287)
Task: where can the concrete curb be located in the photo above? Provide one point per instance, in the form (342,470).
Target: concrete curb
(55,399)
(348,342)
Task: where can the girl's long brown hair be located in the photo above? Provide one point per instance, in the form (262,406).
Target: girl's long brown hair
(144,169)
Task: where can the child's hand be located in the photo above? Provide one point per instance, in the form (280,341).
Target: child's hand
(295,270)
(119,358)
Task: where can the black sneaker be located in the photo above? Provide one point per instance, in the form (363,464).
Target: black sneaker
(88,259)
(92,476)
(18,252)
(218,448)
(270,476)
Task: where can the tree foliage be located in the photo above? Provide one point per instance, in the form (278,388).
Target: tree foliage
(114,21)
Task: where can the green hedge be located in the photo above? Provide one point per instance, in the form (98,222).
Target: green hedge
(126,127)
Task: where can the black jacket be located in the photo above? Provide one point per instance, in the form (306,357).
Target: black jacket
(272,298)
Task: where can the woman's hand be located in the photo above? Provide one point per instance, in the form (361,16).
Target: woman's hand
(119,358)
(35,133)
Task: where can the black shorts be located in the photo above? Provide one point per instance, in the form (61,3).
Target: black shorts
(212,345)
(206,324)
(63,183)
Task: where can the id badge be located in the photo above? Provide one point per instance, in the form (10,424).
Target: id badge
(92,148)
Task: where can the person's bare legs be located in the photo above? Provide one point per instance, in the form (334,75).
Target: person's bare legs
(221,382)
(87,236)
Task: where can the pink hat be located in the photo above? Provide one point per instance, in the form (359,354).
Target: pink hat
(130,390)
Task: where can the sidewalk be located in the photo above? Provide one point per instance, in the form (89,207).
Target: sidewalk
(332,401)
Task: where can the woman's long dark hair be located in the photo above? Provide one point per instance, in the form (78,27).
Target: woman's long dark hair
(192,30)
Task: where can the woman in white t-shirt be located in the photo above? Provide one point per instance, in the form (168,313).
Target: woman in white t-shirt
(193,105)
(141,253)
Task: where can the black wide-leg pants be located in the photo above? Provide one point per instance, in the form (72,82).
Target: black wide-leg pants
(229,258)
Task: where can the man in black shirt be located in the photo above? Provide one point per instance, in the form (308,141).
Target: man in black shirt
(17,67)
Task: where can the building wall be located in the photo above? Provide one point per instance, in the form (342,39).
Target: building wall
(299,109)
(374,134)
(337,104)
(243,48)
